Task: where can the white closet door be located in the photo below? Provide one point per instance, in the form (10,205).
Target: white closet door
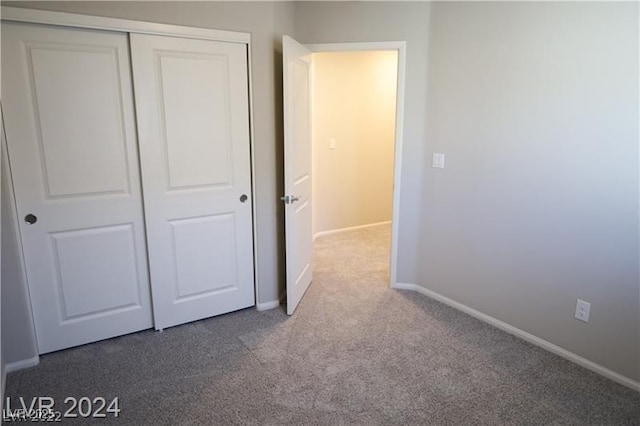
(193,122)
(71,136)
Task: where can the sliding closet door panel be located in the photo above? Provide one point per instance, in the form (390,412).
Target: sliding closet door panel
(193,121)
(72,144)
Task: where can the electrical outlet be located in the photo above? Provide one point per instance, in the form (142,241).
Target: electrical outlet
(438,160)
(582,310)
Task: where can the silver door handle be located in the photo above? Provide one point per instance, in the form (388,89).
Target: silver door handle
(290,199)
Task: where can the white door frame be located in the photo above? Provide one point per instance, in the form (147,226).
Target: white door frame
(21,268)
(33,16)
(401,48)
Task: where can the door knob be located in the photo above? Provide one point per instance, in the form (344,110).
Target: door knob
(290,199)
(30,219)
(243,198)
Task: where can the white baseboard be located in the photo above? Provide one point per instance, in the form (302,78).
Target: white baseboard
(22,364)
(351,228)
(270,305)
(596,368)
(267,305)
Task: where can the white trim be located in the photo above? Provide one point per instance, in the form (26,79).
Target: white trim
(271,305)
(351,228)
(34,16)
(22,364)
(356,47)
(397,178)
(3,374)
(254,195)
(596,368)
(268,305)
(6,163)
(401,47)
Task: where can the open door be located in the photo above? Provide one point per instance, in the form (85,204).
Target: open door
(297,168)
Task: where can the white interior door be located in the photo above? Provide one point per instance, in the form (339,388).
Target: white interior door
(297,169)
(193,123)
(71,138)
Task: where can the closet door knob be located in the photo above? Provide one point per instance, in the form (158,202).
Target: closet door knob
(30,219)
(243,198)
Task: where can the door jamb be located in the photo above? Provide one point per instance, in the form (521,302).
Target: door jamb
(401,48)
(23,283)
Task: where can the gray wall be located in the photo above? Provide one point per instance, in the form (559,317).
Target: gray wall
(536,107)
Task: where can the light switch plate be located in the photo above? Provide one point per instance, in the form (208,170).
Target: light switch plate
(438,160)
(332,143)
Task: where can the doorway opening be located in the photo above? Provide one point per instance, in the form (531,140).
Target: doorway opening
(356,141)
(298,93)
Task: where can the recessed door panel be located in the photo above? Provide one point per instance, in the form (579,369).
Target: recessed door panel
(300,121)
(97,270)
(82,84)
(71,138)
(197,126)
(192,106)
(301,262)
(205,256)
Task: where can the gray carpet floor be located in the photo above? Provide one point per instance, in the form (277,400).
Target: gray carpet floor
(355,352)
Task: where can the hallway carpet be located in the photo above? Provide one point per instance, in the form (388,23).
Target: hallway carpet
(355,352)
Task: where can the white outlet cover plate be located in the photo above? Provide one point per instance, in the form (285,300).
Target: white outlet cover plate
(438,160)
(583,309)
